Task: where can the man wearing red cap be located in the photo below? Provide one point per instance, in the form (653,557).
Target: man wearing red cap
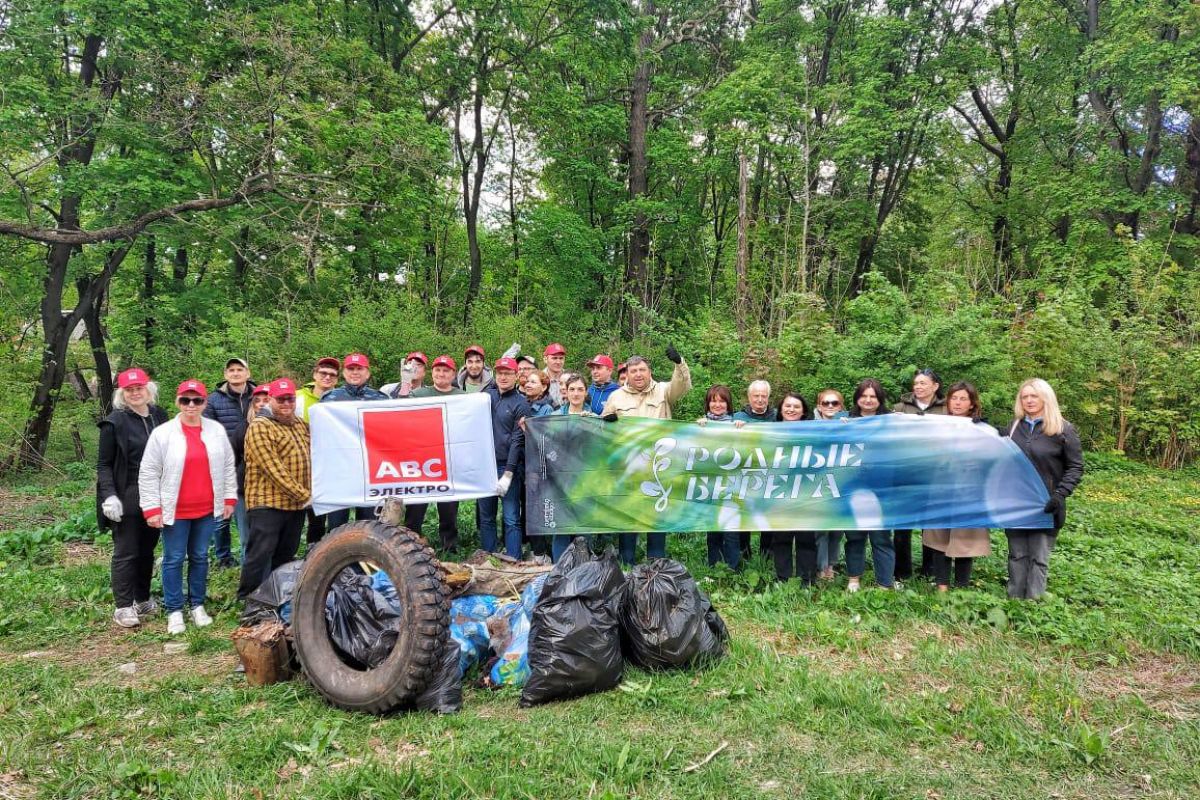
(356,369)
(509,407)
(603,385)
(474,375)
(412,376)
(228,404)
(414,515)
(324,378)
(278,485)
(556,358)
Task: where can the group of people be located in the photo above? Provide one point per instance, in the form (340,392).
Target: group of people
(243,452)
(1049,442)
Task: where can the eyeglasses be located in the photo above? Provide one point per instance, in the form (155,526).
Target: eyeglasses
(831,402)
(190,401)
(327,373)
(286,399)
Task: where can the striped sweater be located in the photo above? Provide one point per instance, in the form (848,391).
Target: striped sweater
(278,468)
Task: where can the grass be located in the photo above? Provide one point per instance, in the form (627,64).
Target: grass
(1094,692)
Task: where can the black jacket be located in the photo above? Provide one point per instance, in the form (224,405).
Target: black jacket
(1057,459)
(123,436)
(227,408)
(507,410)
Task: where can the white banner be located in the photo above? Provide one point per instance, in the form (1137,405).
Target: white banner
(417,450)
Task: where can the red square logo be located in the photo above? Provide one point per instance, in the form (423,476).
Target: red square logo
(405,445)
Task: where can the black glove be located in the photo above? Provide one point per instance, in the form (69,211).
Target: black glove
(1053,505)
(673,355)
(610,417)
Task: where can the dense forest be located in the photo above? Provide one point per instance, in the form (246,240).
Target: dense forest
(812,192)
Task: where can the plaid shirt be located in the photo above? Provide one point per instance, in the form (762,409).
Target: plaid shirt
(278,470)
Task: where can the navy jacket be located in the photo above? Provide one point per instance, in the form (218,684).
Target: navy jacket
(346,392)
(507,410)
(228,408)
(598,395)
(747,415)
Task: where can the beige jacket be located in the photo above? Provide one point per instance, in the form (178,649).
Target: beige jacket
(655,402)
(959,542)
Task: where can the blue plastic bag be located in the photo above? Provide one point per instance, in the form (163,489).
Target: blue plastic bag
(468,627)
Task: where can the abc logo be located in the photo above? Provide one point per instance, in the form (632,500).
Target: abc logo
(405,445)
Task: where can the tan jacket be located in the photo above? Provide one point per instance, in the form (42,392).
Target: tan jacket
(655,402)
(959,542)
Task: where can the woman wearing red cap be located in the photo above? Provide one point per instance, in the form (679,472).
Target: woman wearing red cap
(123,437)
(188,481)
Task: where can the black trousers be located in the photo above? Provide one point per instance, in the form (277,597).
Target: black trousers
(805,545)
(133,558)
(274,540)
(414,518)
(962,569)
(904,559)
(315,531)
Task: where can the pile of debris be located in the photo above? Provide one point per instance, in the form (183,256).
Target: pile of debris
(368,643)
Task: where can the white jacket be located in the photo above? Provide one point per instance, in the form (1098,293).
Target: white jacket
(162,467)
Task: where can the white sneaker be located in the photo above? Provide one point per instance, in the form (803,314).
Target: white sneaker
(175,623)
(201,617)
(126,617)
(853,585)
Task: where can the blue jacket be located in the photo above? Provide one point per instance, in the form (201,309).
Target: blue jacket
(508,409)
(543,408)
(747,415)
(346,392)
(227,408)
(598,395)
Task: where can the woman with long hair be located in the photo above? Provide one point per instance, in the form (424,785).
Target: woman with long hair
(798,548)
(870,400)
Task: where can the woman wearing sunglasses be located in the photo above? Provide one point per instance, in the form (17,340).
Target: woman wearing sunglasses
(187,482)
(830,406)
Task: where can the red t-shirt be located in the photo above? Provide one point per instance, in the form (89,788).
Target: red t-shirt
(196,489)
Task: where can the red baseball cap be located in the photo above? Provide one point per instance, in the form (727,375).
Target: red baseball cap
(476,349)
(192,386)
(554,349)
(356,360)
(282,387)
(329,361)
(419,356)
(621,367)
(132,377)
(506,363)
(600,360)
(262,388)
(445,361)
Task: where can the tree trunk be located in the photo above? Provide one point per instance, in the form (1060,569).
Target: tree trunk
(95,334)
(149,271)
(741,306)
(636,273)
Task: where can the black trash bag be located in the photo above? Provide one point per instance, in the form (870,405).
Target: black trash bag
(271,601)
(443,695)
(363,625)
(578,552)
(574,637)
(665,618)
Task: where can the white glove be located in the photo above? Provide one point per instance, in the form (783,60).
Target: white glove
(112,508)
(513,351)
(503,484)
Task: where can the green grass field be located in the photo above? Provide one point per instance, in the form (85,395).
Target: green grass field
(1093,692)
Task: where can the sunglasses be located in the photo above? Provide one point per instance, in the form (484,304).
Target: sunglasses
(190,401)
(831,402)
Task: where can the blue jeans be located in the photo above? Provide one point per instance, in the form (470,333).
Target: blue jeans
(221,541)
(243,526)
(829,545)
(187,538)
(512,517)
(883,555)
(342,516)
(725,547)
(656,546)
(559,544)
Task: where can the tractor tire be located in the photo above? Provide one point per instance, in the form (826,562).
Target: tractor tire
(425,617)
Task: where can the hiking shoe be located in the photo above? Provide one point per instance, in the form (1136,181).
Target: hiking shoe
(146,608)
(228,563)
(201,617)
(126,617)
(175,623)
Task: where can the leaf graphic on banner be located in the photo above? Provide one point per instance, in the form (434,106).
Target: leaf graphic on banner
(651,489)
(664,446)
(661,464)
(660,505)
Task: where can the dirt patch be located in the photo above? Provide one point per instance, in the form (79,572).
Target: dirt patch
(1167,683)
(15,512)
(15,786)
(78,553)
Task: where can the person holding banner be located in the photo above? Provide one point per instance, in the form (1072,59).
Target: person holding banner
(794,408)
(1052,445)
(957,548)
(870,400)
(925,398)
(757,409)
(642,396)
(603,385)
(537,392)
(576,393)
(356,370)
(509,407)
(186,483)
(830,406)
(722,545)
